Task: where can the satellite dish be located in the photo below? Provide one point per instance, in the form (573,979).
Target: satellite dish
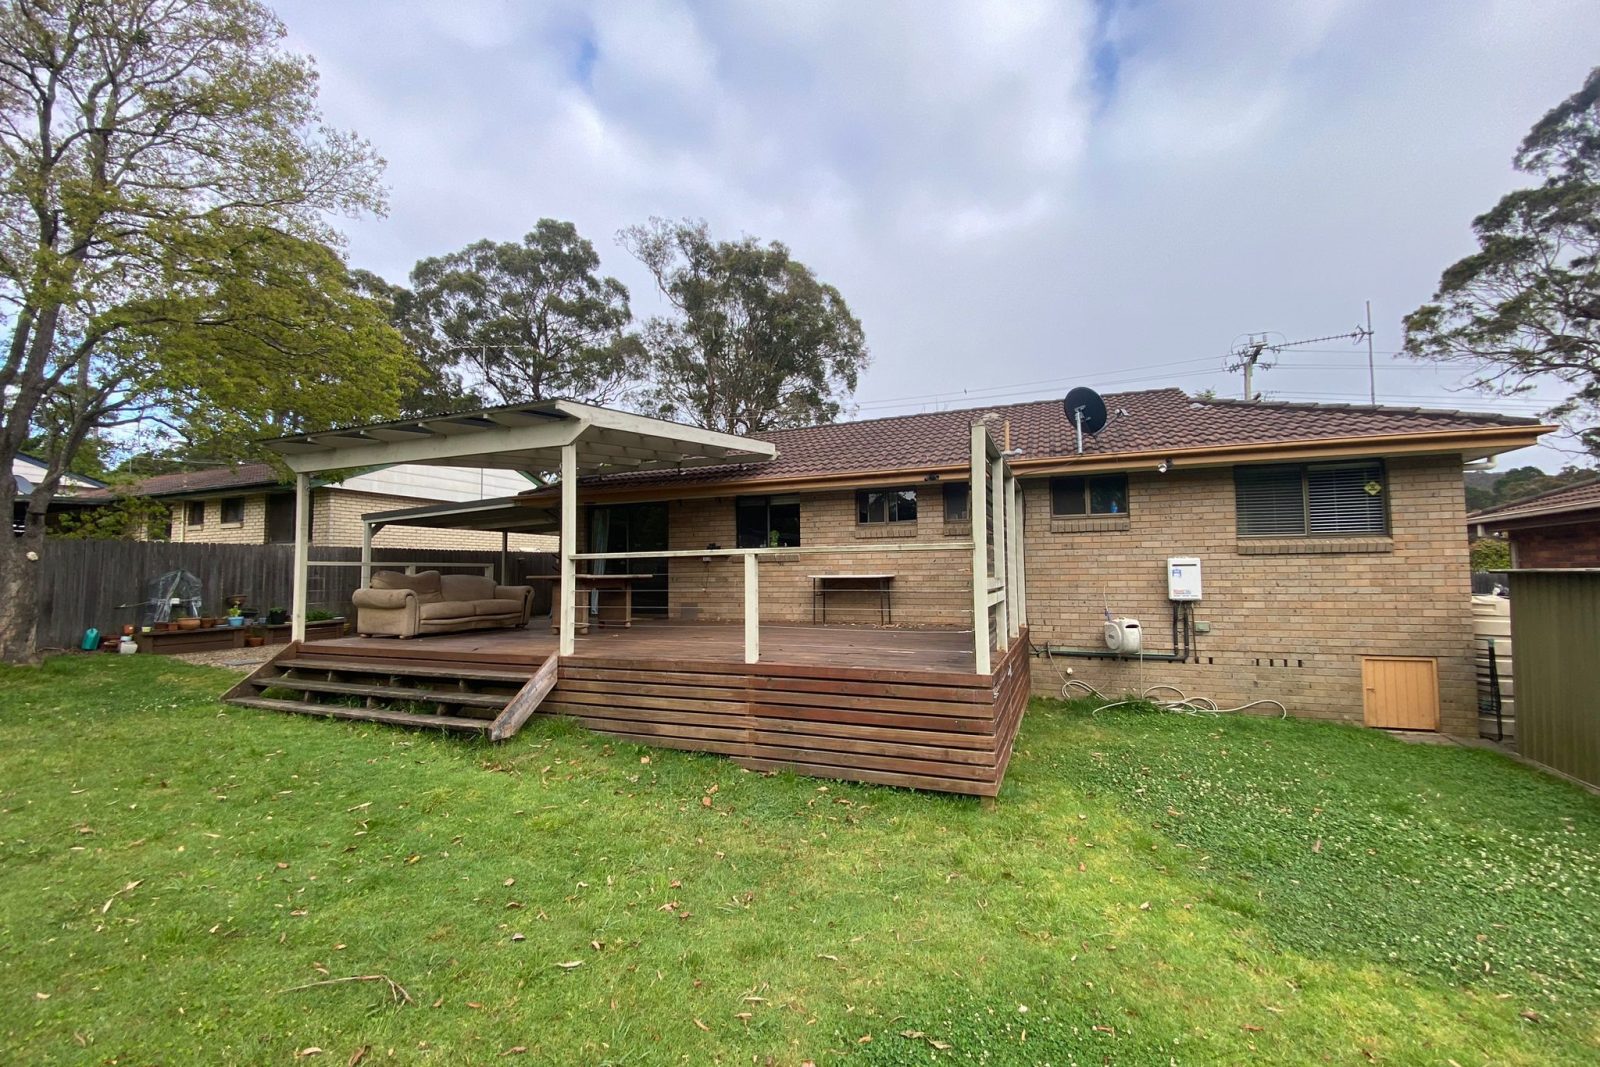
(1086,411)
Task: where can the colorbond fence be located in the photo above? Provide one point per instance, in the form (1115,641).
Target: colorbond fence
(1555,621)
(100,583)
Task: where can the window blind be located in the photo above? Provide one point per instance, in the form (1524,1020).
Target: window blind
(1340,501)
(1269,501)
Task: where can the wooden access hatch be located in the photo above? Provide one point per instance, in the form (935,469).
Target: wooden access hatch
(1400,692)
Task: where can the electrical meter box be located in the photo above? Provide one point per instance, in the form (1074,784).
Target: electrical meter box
(1183,578)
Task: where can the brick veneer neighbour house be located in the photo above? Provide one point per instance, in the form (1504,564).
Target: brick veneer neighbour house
(1288,617)
(231,506)
(1555,529)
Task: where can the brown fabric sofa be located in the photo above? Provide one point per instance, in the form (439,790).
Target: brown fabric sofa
(408,605)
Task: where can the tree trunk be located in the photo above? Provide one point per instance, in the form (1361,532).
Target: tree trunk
(19,591)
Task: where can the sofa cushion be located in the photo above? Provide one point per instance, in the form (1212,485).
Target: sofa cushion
(498,607)
(425,584)
(447,609)
(466,587)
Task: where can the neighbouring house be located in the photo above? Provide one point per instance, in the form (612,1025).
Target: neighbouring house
(874,599)
(1557,528)
(251,505)
(72,492)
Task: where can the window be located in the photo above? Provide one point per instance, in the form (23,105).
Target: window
(1104,494)
(886,505)
(195,513)
(1318,500)
(232,510)
(957,502)
(767,521)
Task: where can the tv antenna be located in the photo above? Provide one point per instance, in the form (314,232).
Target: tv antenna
(1247,355)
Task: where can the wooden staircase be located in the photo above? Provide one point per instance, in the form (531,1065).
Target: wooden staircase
(404,690)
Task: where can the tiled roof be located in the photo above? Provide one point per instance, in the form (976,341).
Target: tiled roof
(1157,420)
(244,476)
(1584,496)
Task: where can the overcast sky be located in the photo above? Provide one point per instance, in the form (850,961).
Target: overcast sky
(1014,197)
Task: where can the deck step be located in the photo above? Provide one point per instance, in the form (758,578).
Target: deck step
(390,692)
(392,718)
(405,669)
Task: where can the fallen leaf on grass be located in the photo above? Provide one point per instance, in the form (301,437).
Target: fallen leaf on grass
(285,867)
(414,857)
(1531,1015)
(509,882)
(41,996)
(1252,1028)
(702,1026)
(518,937)
(130,887)
(358,1055)
(1316,846)
(515,1050)
(311,1051)
(570,964)
(474,1005)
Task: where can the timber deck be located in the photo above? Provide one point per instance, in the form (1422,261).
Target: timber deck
(894,707)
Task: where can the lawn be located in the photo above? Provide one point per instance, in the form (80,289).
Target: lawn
(179,877)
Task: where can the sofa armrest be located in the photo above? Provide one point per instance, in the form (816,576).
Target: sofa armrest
(382,598)
(523,594)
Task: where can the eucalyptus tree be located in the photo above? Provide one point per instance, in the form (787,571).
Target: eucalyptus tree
(166,250)
(754,341)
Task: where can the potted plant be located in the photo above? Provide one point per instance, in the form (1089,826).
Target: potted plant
(189,622)
(235,616)
(256,637)
(277,616)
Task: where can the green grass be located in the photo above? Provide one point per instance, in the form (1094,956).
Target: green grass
(1149,889)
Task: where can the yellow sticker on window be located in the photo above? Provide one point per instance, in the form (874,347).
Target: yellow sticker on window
(1373,487)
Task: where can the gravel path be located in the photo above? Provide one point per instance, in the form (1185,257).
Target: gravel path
(243,660)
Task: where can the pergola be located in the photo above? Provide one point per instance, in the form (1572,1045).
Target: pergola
(562,437)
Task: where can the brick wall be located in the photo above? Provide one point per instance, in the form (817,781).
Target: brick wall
(252,531)
(338,522)
(1290,619)
(1577,545)
(930,588)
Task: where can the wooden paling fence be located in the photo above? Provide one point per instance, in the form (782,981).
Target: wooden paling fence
(97,583)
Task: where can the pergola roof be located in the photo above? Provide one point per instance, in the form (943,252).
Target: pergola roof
(523,437)
(504,514)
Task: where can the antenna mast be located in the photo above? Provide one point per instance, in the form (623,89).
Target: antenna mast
(1247,354)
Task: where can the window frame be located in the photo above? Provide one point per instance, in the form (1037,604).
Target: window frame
(1085,492)
(965,491)
(1307,520)
(893,498)
(190,510)
(766,502)
(222,511)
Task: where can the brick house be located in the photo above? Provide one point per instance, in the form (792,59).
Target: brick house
(1558,528)
(1332,541)
(250,505)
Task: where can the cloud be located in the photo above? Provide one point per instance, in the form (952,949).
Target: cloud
(1006,192)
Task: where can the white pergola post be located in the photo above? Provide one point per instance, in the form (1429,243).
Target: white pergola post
(569,545)
(505,551)
(978,498)
(302,555)
(752,608)
(1017,583)
(367,533)
(1000,489)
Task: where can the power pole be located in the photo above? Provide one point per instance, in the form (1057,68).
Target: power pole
(1245,357)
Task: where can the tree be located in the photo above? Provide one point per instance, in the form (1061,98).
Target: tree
(755,342)
(1490,554)
(439,385)
(165,250)
(529,321)
(1525,307)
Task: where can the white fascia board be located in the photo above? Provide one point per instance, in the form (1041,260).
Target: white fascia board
(437,449)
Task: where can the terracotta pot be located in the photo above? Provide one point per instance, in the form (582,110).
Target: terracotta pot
(254,642)
(188,624)
(207,622)
(163,627)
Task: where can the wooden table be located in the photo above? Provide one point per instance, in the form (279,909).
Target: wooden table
(619,587)
(823,584)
